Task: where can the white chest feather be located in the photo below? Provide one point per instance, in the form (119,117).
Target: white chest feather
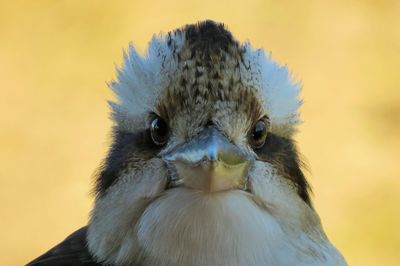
(226,228)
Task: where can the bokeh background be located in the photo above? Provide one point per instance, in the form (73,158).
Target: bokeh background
(55,57)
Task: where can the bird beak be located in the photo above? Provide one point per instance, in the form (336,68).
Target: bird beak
(209,162)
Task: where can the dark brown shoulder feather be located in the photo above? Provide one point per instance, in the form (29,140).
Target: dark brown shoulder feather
(72,251)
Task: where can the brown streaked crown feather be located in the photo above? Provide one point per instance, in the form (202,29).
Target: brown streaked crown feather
(207,76)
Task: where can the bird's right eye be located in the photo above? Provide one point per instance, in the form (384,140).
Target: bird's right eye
(159,131)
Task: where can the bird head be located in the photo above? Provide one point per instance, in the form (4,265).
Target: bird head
(202,159)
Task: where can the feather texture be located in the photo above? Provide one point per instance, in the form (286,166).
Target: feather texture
(71,251)
(141,78)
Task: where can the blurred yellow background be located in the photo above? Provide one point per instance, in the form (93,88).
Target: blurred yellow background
(55,57)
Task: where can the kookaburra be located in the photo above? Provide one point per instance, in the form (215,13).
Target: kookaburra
(203,168)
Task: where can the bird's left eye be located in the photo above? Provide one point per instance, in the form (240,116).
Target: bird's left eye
(258,134)
(159,131)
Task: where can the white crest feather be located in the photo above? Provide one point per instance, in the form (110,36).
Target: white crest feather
(280,95)
(140,80)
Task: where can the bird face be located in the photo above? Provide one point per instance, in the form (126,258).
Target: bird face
(203,169)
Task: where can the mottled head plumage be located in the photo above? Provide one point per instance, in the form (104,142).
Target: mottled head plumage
(198,67)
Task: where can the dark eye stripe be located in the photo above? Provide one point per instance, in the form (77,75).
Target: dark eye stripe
(127,148)
(282,153)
